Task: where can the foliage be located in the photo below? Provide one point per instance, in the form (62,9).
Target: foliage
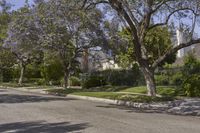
(4,20)
(191,86)
(143,18)
(176,79)
(52,69)
(7,61)
(23,38)
(94,81)
(33,71)
(162,79)
(157,41)
(122,77)
(191,65)
(67,30)
(191,73)
(74,81)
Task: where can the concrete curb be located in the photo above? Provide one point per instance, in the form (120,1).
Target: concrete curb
(109,101)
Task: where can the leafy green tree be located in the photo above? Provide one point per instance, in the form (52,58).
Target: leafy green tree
(141,16)
(67,29)
(7,60)
(191,65)
(52,69)
(157,41)
(23,39)
(191,76)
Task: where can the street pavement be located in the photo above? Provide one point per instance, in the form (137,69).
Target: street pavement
(22,112)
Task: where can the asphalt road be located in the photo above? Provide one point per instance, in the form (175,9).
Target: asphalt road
(32,113)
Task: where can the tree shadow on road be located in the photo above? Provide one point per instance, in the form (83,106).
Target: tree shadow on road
(1,90)
(17,98)
(42,127)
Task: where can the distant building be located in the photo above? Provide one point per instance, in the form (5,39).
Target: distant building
(95,59)
(182,37)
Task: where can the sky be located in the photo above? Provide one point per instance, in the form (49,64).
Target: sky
(18,3)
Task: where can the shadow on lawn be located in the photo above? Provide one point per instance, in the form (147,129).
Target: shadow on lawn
(17,98)
(42,127)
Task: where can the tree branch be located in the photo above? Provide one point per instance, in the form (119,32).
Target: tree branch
(169,17)
(118,6)
(95,3)
(160,4)
(174,50)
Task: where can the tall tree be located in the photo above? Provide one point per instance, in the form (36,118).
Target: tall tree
(7,60)
(67,29)
(157,41)
(22,39)
(141,16)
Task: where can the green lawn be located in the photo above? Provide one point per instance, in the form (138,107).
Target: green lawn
(108,95)
(161,90)
(168,93)
(135,94)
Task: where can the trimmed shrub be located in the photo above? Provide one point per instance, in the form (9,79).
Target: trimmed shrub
(122,77)
(191,86)
(94,81)
(74,81)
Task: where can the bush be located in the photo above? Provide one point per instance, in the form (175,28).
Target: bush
(55,82)
(191,86)
(33,71)
(7,75)
(191,65)
(52,70)
(162,79)
(176,79)
(94,81)
(40,82)
(74,81)
(122,77)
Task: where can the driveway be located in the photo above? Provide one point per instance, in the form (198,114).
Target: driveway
(22,112)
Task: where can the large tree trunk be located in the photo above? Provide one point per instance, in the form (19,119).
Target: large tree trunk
(22,67)
(150,80)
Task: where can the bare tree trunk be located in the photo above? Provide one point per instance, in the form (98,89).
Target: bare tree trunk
(66,78)
(150,80)
(22,67)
